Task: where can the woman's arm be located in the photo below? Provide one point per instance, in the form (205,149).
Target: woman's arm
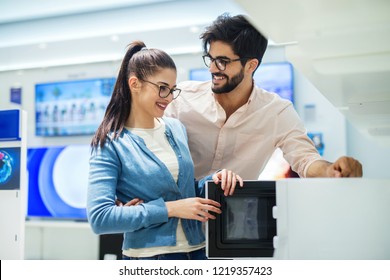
(103,213)
(194,208)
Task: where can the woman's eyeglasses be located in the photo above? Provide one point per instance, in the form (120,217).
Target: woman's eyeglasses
(164,91)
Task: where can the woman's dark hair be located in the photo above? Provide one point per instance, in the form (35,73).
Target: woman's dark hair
(239,33)
(142,63)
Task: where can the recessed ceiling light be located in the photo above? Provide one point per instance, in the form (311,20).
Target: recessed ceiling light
(194,29)
(42,46)
(114,38)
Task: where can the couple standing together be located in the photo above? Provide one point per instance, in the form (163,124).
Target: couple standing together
(160,142)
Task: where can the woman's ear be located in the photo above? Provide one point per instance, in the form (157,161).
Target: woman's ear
(134,84)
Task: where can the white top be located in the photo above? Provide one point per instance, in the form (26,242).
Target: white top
(245,142)
(157,142)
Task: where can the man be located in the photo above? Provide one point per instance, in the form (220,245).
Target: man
(235,125)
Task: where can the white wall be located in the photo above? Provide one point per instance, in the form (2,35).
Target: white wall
(323,117)
(28,78)
(60,240)
(374,156)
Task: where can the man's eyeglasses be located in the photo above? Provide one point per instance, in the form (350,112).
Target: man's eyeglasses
(219,62)
(164,91)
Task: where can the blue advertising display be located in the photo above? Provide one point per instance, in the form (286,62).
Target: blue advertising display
(274,77)
(316,137)
(9,168)
(58,181)
(9,125)
(71,107)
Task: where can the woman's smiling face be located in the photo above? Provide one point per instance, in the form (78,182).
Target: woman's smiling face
(146,102)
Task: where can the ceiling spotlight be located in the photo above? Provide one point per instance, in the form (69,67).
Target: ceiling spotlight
(194,29)
(42,46)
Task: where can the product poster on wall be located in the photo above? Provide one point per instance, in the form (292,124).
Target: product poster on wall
(318,142)
(9,168)
(16,95)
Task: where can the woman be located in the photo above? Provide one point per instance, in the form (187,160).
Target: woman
(138,154)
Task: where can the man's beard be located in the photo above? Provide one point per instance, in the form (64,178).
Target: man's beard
(231,83)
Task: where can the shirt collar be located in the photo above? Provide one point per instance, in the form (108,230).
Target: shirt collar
(252,93)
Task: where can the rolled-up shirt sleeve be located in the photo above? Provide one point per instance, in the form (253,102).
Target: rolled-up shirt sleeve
(291,137)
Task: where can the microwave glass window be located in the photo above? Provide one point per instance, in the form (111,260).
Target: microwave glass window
(245,218)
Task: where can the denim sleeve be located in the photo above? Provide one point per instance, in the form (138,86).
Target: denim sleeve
(103,214)
(200,186)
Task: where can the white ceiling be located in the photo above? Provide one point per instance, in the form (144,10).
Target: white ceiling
(19,10)
(343,48)
(44,33)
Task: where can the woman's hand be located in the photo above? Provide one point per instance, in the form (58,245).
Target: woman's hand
(133,202)
(194,208)
(228,180)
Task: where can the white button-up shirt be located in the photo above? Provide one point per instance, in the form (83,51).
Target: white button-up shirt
(247,139)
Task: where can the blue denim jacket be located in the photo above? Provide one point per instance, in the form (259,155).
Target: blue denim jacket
(125,169)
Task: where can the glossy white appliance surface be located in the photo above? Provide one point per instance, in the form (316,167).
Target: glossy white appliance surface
(346,218)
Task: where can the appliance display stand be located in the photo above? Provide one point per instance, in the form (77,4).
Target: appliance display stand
(13,183)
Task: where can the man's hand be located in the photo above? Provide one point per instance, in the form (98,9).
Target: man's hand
(228,180)
(345,167)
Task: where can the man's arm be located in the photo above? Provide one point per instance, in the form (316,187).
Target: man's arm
(342,167)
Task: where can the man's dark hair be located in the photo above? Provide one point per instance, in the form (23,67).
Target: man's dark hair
(239,33)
